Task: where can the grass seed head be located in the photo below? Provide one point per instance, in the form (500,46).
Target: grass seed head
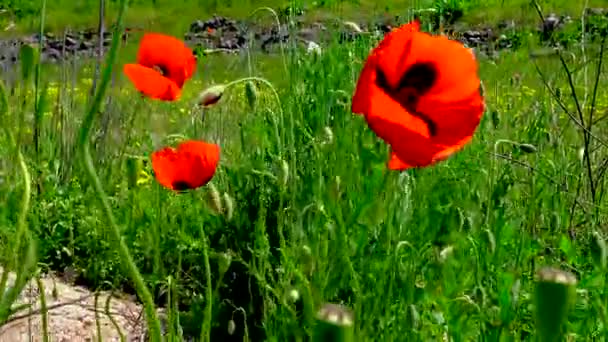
(229,206)
(213,199)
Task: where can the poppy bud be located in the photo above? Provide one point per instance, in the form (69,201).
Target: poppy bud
(211,95)
(334,323)
(490,240)
(134,168)
(251,93)
(554,294)
(214,199)
(224,262)
(528,148)
(284,172)
(231,327)
(598,250)
(581,154)
(229,204)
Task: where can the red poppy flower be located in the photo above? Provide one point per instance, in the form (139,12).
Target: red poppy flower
(164,64)
(421,95)
(190,166)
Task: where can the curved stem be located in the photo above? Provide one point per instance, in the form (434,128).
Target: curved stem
(85,149)
(278,22)
(277,98)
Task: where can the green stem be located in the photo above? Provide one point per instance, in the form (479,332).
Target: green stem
(85,149)
(206,328)
(277,98)
(278,23)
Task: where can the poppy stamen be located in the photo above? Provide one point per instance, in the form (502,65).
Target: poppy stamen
(416,81)
(161,70)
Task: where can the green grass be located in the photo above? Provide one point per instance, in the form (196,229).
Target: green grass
(175,16)
(446,250)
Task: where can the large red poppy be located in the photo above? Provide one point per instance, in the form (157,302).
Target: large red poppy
(190,166)
(421,95)
(164,64)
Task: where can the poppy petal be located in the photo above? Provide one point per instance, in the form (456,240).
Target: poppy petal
(151,83)
(168,53)
(395,50)
(456,67)
(191,165)
(395,163)
(163,164)
(203,158)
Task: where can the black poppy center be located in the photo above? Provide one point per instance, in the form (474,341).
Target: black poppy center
(181,186)
(161,69)
(415,83)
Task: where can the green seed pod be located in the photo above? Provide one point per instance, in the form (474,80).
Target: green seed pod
(134,167)
(213,199)
(555,291)
(211,95)
(599,250)
(229,206)
(251,93)
(527,148)
(334,323)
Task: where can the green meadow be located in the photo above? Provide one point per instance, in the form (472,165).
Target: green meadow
(303,210)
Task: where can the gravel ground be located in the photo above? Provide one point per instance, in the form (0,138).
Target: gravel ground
(72,315)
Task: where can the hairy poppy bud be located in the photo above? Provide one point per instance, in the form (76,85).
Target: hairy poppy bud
(490,240)
(554,294)
(334,323)
(214,199)
(251,93)
(581,154)
(284,172)
(211,95)
(231,327)
(528,148)
(229,204)
(224,262)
